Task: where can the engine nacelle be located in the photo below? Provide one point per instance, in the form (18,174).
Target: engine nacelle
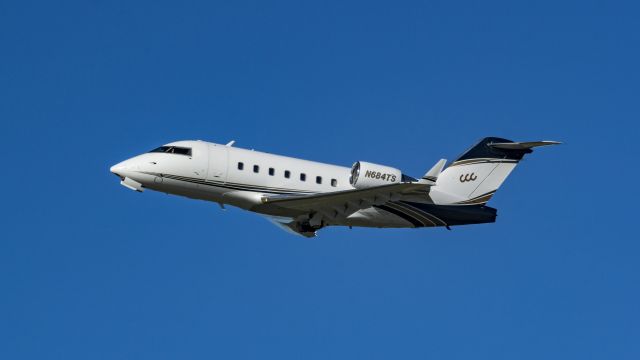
(365,175)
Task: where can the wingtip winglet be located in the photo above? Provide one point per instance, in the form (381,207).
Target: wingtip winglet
(435,170)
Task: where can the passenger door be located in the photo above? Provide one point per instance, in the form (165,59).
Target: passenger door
(218,159)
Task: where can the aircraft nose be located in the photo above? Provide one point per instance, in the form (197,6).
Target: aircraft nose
(117,168)
(120,168)
(128,167)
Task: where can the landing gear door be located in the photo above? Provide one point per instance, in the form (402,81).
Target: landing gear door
(218,159)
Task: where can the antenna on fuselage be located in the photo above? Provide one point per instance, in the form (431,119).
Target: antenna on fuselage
(230,143)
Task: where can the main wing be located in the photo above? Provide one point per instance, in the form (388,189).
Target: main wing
(311,212)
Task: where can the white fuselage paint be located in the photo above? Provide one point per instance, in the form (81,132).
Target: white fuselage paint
(211,173)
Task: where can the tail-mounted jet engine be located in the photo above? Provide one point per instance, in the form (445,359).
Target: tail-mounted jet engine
(365,175)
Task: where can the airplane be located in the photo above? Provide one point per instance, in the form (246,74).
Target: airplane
(302,196)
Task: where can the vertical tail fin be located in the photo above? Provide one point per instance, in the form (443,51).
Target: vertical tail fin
(477,174)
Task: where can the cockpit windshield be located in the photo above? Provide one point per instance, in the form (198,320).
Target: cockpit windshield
(173,150)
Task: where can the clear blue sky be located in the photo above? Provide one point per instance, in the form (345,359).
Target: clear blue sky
(90,270)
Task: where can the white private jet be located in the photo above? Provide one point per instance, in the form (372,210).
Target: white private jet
(304,196)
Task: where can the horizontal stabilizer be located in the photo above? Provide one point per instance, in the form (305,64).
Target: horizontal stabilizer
(522,145)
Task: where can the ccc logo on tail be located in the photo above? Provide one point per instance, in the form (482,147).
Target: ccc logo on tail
(468,177)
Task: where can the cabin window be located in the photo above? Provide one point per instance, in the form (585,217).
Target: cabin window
(256,169)
(287,174)
(173,150)
(318,179)
(303,177)
(334,182)
(272,171)
(240,166)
